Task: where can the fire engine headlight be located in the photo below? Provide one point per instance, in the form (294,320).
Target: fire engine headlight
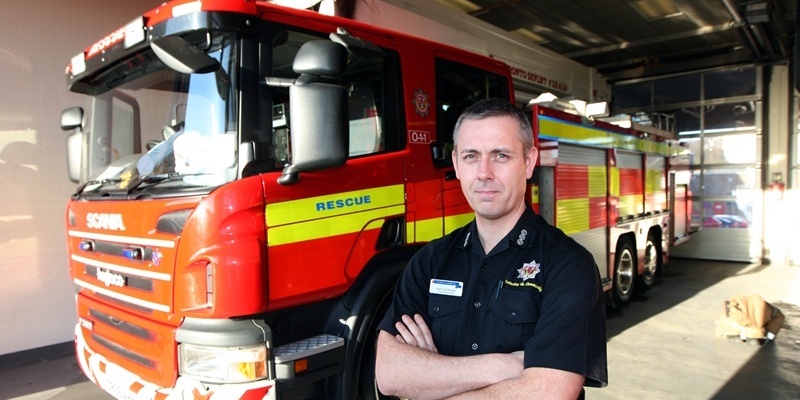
(223,364)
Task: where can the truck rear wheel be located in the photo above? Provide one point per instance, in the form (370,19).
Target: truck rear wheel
(652,262)
(625,271)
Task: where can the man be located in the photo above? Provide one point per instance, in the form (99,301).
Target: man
(506,307)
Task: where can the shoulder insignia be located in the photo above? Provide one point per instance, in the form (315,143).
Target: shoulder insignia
(521,238)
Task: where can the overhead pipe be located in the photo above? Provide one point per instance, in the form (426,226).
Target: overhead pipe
(740,22)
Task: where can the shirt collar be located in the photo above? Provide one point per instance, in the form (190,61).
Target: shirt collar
(468,233)
(524,231)
(521,235)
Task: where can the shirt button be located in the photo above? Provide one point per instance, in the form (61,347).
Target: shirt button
(477,304)
(474,346)
(484,265)
(513,315)
(436,309)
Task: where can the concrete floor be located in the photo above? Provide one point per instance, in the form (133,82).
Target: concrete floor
(661,347)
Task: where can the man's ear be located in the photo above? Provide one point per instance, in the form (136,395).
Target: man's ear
(455,163)
(530,161)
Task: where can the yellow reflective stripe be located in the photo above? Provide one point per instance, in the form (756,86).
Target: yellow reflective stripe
(630,205)
(613,185)
(534,194)
(315,208)
(597,181)
(653,182)
(325,227)
(453,222)
(572,215)
(550,127)
(427,230)
(560,130)
(410,232)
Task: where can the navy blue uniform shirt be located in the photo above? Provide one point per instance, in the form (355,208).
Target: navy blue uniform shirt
(538,290)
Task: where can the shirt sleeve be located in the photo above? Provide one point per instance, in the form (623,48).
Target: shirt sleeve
(571,326)
(411,292)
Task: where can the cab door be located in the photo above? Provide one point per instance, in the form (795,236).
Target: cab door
(460,82)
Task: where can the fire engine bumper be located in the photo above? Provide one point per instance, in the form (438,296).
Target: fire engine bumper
(125,385)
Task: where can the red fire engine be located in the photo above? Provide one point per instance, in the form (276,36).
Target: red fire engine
(607,187)
(254,178)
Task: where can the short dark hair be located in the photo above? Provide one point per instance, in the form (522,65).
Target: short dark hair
(494,107)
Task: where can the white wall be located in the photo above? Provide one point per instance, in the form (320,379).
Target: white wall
(781,216)
(435,21)
(37,40)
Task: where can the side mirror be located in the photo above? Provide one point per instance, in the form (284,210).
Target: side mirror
(319,58)
(182,56)
(318,114)
(72,119)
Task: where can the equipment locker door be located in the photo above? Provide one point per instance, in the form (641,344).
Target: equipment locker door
(581,199)
(631,190)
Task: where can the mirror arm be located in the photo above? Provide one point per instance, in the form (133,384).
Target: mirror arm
(278,82)
(289,176)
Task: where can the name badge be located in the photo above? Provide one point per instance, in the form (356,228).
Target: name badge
(446,288)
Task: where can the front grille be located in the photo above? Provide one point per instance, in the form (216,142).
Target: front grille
(123,352)
(125,303)
(115,249)
(135,342)
(124,326)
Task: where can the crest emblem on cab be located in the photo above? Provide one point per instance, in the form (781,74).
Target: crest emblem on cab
(421,104)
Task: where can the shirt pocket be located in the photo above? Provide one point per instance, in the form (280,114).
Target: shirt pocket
(513,316)
(445,313)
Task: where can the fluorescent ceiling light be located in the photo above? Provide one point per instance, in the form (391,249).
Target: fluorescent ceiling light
(531,35)
(655,9)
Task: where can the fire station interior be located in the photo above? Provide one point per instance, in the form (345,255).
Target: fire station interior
(722,75)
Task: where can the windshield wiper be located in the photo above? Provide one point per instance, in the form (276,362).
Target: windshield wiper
(100,182)
(158,178)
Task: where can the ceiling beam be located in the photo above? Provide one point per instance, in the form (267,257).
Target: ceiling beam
(655,40)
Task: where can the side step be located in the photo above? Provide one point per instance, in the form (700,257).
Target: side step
(313,355)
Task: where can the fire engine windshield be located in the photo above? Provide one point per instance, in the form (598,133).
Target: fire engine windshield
(161,130)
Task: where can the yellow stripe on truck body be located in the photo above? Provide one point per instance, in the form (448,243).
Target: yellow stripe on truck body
(330,215)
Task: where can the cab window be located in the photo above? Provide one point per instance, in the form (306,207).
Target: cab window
(457,87)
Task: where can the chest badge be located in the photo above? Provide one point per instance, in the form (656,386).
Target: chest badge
(529,270)
(446,288)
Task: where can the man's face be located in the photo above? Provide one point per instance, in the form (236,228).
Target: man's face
(492,166)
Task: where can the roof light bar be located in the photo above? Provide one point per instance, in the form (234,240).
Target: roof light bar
(134,32)
(78,64)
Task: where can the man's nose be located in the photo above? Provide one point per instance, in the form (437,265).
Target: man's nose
(485,169)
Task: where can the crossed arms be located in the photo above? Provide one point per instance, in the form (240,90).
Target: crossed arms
(409,365)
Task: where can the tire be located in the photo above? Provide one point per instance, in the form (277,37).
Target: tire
(652,262)
(625,271)
(368,387)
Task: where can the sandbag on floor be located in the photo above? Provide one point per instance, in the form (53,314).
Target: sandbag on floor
(749,318)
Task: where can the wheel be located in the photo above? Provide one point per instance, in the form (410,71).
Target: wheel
(368,388)
(652,262)
(624,274)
